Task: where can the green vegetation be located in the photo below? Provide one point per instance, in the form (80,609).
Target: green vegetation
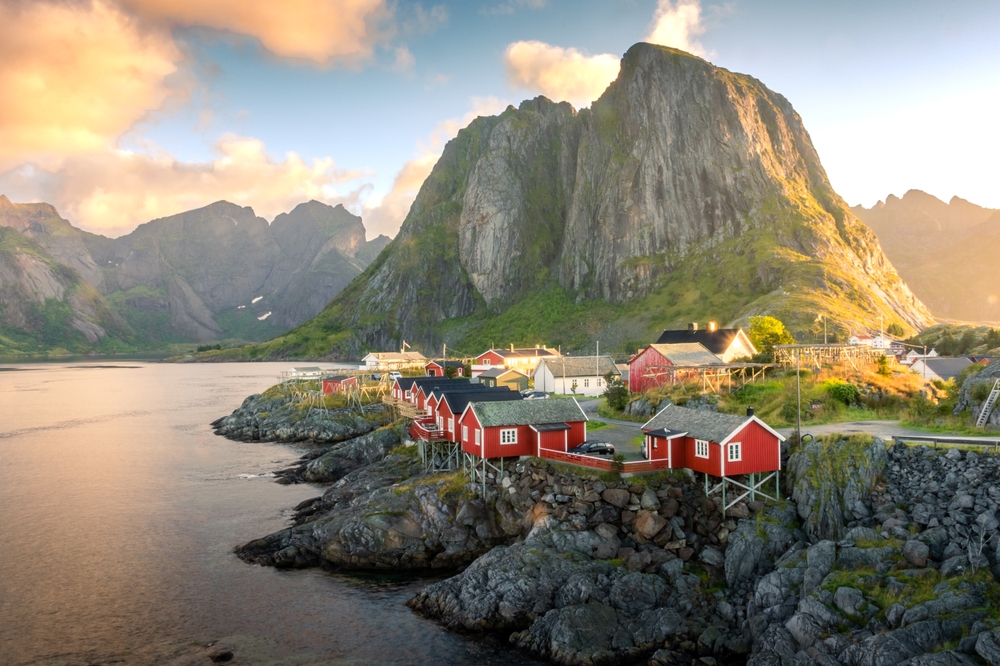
(615,393)
(765,333)
(958,339)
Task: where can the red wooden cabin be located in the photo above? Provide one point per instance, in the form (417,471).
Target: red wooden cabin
(339,383)
(666,364)
(451,405)
(521,427)
(720,445)
(437,368)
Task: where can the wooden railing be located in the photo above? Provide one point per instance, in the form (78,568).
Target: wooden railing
(634,467)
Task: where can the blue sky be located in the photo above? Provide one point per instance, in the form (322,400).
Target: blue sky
(896,95)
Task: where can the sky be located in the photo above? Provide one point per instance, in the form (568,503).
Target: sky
(122,111)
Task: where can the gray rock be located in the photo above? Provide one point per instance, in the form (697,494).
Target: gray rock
(848,600)
(988,647)
(712,557)
(954,565)
(616,497)
(916,553)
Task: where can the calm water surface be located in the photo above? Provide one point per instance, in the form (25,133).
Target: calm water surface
(118,511)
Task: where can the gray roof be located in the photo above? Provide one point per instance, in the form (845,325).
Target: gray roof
(945,367)
(580,366)
(500,372)
(697,423)
(687,353)
(528,412)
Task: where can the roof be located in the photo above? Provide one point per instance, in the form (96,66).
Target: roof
(465,388)
(339,378)
(687,353)
(527,412)
(580,366)
(697,423)
(666,433)
(440,381)
(447,364)
(524,352)
(945,367)
(717,341)
(397,356)
(500,372)
(311,368)
(457,402)
(550,427)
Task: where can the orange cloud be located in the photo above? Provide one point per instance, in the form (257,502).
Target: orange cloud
(316,30)
(76,76)
(677,26)
(558,73)
(112,192)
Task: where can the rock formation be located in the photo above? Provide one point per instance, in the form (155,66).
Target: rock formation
(683,178)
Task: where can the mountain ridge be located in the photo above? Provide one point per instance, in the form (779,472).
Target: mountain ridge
(213,272)
(686,192)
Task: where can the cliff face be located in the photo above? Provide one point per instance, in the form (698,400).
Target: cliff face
(218,271)
(942,250)
(683,183)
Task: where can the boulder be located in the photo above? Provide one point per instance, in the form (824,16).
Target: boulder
(616,497)
(916,552)
(649,524)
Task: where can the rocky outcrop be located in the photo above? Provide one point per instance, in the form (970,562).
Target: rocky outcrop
(276,416)
(832,482)
(974,392)
(681,171)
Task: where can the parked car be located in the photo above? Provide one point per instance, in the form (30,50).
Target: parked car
(394,375)
(534,395)
(594,449)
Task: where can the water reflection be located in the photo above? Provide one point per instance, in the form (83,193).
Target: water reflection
(120,508)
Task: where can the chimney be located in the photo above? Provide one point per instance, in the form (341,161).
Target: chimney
(692,327)
(512,346)
(712,326)
(749,411)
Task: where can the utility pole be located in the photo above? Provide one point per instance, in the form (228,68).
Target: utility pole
(798,396)
(824,329)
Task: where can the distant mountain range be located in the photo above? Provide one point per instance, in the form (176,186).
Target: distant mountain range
(212,273)
(946,252)
(685,193)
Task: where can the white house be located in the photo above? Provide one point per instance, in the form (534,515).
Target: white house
(576,375)
(862,339)
(913,356)
(381,361)
(940,368)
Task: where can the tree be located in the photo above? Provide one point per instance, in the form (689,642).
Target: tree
(896,330)
(968,341)
(993,339)
(615,393)
(766,332)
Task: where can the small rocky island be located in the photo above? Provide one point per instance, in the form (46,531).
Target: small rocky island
(882,555)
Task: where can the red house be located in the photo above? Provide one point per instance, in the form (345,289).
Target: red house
(666,364)
(408,388)
(339,383)
(437,368)
(521,427)
(451,405)
(720,445)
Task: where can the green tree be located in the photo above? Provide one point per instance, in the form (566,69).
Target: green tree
(766,332)
(993,339)
(883,366)
(615,392)
(896,330)
(947,345)
(968,341)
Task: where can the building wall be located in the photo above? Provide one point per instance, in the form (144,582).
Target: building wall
(637,367)
(553,441)
(577,433)
(526,442)
(761,451)
(737,349)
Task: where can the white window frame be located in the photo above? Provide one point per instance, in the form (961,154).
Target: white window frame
(598,382)
(451,424)
(465,433)
(408,396)
(734,447)
(701,448)
(487,361)
(479,437)
(440,422)
(586,383)
(508,436)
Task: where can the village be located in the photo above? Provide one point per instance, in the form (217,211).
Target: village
(480,413)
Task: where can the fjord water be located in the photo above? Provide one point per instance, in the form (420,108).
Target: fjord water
(119,509)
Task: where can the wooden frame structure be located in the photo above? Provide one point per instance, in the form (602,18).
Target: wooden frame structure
(818,355)
(713,376)
(755,488)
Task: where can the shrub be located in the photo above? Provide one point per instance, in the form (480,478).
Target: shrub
(616,393)
(842,391)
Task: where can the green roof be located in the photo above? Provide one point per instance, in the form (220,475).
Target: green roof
(528,412)
(697,423)
(580,366)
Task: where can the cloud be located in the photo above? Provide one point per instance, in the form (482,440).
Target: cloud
(76,76)
(384,214)
(113,191)
(322,31)
(677,25)
(562,74)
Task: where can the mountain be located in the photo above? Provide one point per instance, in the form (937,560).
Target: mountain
(685,193)
(945,251)
(215,272)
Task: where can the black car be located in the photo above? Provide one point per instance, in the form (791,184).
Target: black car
(594,449)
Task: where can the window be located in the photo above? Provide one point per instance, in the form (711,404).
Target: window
(451,425)
(508,436)
(734,452)
(700,448)
(465,433)
(440,421)
(586,383)
(598,381)
(487,361)
(479,437)
(574,385)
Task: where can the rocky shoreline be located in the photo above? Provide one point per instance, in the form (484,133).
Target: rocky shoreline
(882,555)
